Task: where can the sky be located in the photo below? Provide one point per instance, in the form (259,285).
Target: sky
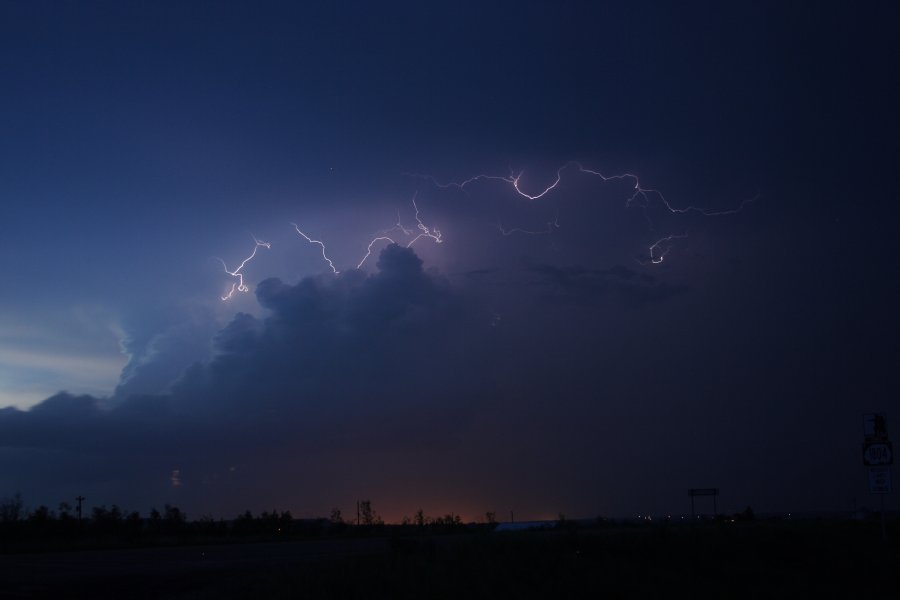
(634,248)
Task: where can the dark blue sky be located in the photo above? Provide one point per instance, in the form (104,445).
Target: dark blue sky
(546,373)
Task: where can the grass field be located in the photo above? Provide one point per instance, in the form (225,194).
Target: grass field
(797,559)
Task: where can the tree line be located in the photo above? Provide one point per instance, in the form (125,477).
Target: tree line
(170,524)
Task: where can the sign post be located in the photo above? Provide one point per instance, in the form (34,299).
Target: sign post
(878,456)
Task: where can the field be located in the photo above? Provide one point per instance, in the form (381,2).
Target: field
(780,559)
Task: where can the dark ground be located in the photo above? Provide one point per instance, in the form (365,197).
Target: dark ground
(808,559)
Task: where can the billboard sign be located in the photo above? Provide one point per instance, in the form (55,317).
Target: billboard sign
(877,454)
(880,480)
(875,427)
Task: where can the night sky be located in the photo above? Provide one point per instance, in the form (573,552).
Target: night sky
(547,355)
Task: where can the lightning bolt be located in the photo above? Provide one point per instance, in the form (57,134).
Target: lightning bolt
(661,248)
(369,248)
(511,179)
(382,236)
(238,286)
(397,225)
(641,197)
(551,225)
(424,231)
(312,241)
(434,233)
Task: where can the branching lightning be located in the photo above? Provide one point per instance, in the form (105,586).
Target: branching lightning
(661,247)
(381,238)
(424,231)
(397,226)
(551,225)
(238,286)
(641,197)
(511,179)
(433,233)
(312,241)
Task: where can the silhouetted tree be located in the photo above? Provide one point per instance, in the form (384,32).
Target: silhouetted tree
(448,521)
(173,520)
(243,524)
(490,517)
(272,522)
(205,525)
(133,523)
(66,524)
(336,517)
(174,515)
(367,515)
(65,510)
(106,521)
(420,518)
(40,516)
(155,520)
(12,509)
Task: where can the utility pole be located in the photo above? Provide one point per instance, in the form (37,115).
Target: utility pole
(80,499)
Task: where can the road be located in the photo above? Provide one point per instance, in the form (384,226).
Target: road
(163,571)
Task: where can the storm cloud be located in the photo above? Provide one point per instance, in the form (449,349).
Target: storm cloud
(344,362)
(536,359)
